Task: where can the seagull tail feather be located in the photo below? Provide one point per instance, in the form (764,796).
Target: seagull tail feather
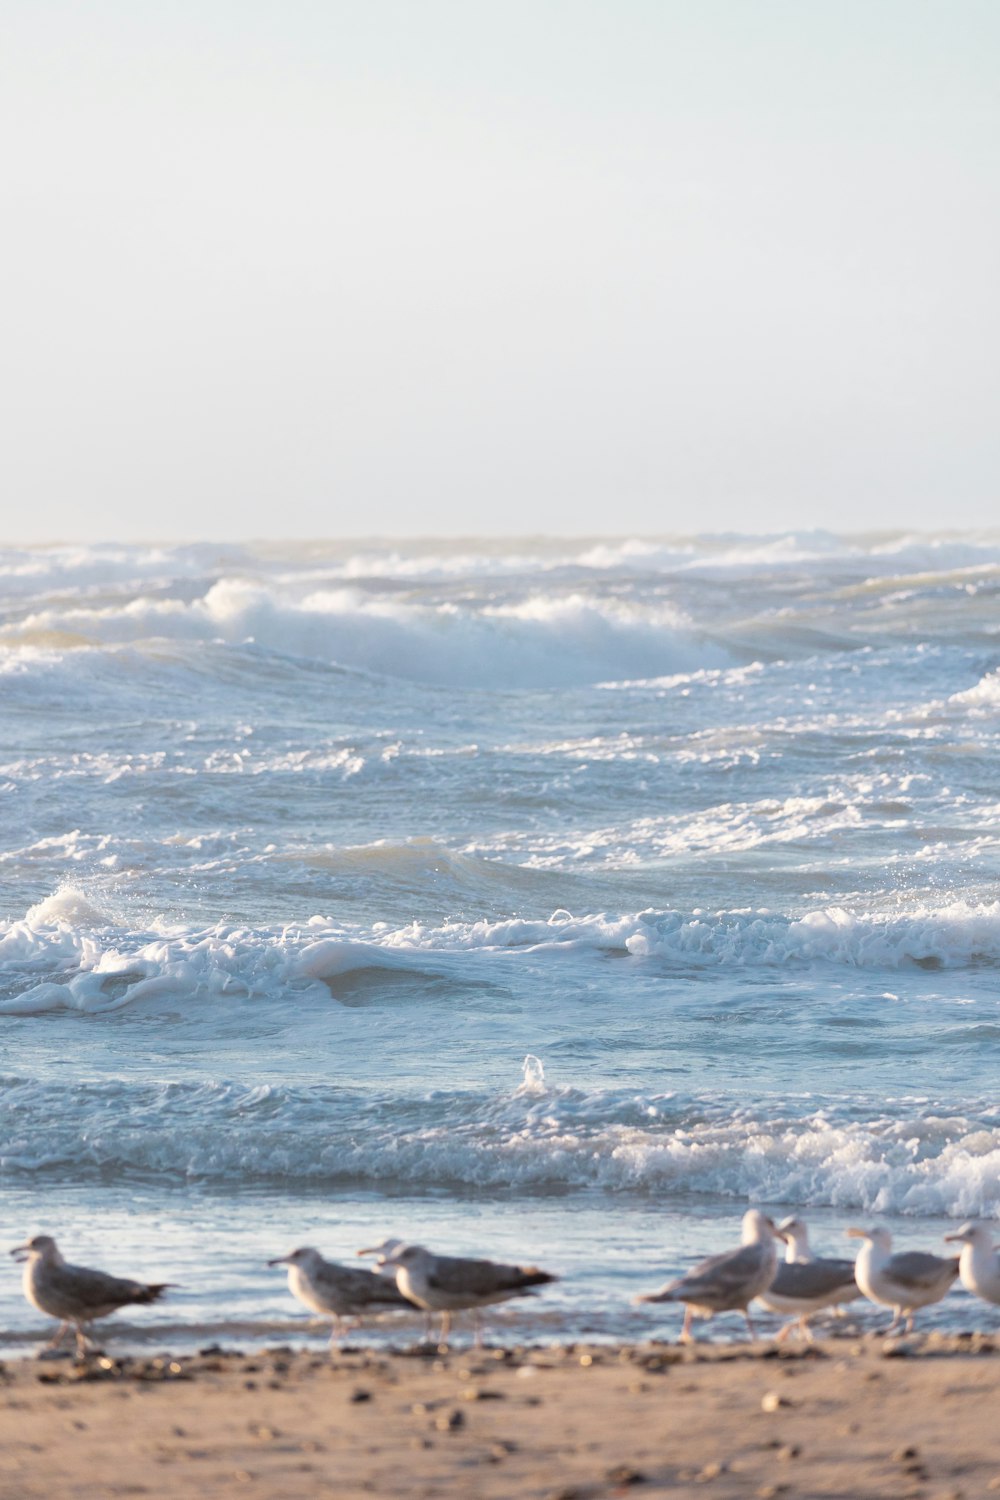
(153,1292)
(532,1276)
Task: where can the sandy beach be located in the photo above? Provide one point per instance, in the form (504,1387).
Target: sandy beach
(908,1418)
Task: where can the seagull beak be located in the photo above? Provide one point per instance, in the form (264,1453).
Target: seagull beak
(371,1250)
(856,1234)
(279,1260)
(20,1252)
(949,1239)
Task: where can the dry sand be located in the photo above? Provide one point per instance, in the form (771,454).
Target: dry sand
(842,1419)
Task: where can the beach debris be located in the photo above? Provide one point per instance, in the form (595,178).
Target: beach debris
(773,1401)
(897,1348)
(624,1475)
(712,1470)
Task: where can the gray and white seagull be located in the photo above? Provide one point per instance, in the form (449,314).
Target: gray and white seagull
(805,1283)
(76,1295)
(978,1264)
(450,1283)
(338,1292)
(728,1282)
(906,1281)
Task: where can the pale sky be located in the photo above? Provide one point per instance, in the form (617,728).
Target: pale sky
(349,267)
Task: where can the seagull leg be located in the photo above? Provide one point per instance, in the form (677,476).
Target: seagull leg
(477,1323)
(753,1331)
(445,1327)
(784,1331)
(687,1337)
(336,1331)
(83,1343)
(59,1335)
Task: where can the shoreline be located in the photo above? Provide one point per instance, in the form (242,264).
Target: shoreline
(906,1417)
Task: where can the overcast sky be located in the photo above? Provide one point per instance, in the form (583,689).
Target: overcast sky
(339,267)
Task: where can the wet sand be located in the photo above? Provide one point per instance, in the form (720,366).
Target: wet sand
(846,1419)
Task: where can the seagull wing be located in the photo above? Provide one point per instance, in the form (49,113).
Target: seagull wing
(813,1278)
(97,1289)
(921,1271)
(721,1282)
(482,1278)
(362,1289)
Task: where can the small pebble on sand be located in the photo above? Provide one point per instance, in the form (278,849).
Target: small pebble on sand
(772,1401)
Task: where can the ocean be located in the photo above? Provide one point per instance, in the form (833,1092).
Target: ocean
(545,899)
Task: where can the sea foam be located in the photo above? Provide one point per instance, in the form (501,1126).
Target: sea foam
(535,641)
(920,1159)
(58,958)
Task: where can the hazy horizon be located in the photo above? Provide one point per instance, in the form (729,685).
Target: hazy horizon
(288,271)
(502,542)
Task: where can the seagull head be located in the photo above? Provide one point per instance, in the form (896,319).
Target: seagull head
(757,1226)
(383,1249)
(880,1237)
(408,1255)
(971,1234)
(39,1247)
(305,1256)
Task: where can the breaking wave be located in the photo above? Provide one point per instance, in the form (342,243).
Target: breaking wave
(921,1159)
(535,641)
(61,956)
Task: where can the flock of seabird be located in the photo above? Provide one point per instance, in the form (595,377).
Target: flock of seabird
(804,1284)
(407,1276)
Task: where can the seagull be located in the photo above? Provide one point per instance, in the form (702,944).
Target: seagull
(383,1250)
(795,1233)
(337,1292)
(76,1295)
(448,1283)
(805,1283)
(979,1263)
(726,1282)
(903,1282)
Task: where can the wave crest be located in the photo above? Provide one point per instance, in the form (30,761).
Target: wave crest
(921,1161)
(62,957)
(541,640)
